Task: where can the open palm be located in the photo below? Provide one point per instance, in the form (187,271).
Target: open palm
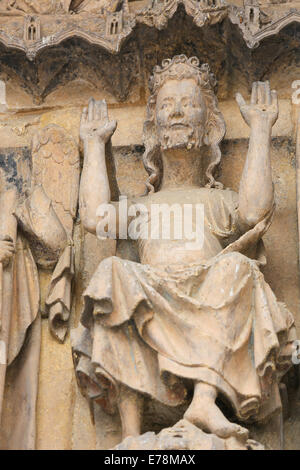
(263,107)
(95,121)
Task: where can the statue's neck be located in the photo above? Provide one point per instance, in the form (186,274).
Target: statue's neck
(181,168)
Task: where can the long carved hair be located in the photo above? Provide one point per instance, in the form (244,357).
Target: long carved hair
(180,67)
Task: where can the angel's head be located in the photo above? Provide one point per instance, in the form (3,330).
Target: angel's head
(182,112)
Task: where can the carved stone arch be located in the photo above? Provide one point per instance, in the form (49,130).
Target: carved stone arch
(255,22)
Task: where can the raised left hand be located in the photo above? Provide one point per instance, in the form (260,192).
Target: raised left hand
(263,107)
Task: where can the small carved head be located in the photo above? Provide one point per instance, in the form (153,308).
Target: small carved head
(182,112)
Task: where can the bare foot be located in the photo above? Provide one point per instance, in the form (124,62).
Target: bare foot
(204,413)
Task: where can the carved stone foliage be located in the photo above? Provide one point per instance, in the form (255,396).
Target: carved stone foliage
(124,76)
(203,12)
(46,7)
(96,6)
(42,7)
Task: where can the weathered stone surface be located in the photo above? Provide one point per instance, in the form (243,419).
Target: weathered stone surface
(55,406)
(184,436)
(69,46)
(128,345)
(108,22)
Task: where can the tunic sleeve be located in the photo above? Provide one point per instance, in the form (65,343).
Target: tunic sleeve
(222,215)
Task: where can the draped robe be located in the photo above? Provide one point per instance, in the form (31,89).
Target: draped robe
(154,328)
(39,231)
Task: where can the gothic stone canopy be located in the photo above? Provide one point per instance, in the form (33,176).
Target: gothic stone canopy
(107,23)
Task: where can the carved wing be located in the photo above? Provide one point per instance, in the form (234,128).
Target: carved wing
(55,166)
(55,161)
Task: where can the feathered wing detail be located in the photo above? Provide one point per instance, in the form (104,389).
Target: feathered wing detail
(56,167)
(56,164)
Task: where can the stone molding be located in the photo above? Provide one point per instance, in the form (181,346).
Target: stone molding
(31,32)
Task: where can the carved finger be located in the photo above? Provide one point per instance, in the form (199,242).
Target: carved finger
(104,111)
(84,116)
(274,98)
(8,246)
(240,100)
(98,112)
(91,109)
(268,97)
(254,93)
(110,128)
(8,242)
(261,96)
(6,238)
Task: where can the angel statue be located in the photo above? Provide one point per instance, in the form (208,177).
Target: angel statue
(185,317)
(36,228)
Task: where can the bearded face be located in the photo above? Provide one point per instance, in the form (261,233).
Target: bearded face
(180,114)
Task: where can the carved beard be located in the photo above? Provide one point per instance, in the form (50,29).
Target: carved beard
(180,137)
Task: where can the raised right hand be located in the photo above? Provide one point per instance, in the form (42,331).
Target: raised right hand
(95,122)
(7,250)
(263,107)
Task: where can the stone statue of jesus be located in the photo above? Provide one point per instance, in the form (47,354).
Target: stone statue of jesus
(205,317)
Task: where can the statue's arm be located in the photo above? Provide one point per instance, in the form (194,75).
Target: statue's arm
(39,222)
(256,193)
(95,131)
